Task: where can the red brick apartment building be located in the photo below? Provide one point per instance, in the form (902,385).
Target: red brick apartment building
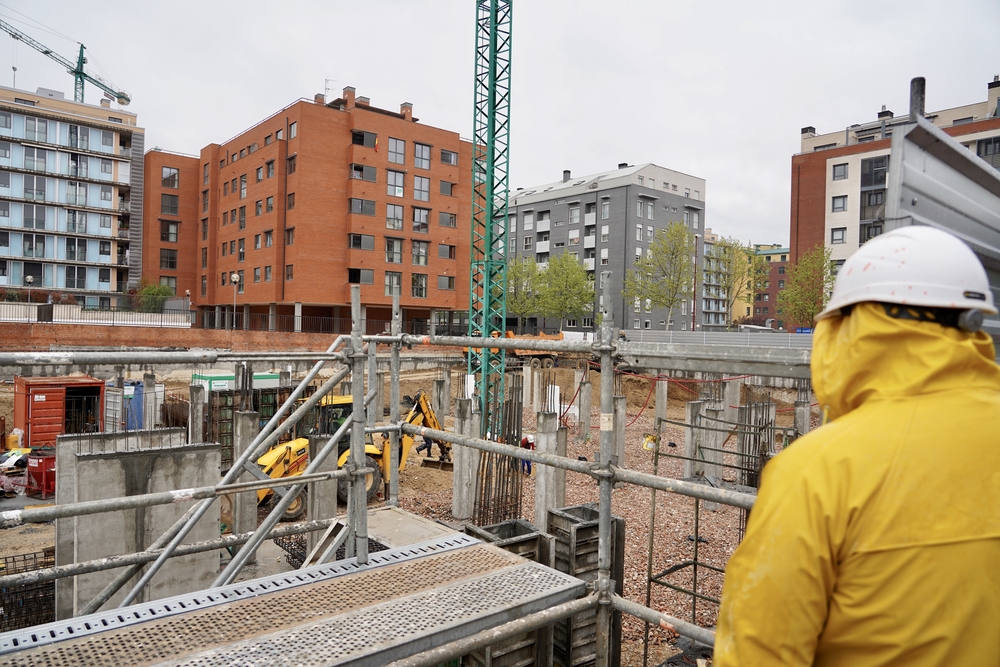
(764,309)
(839,178)
(309,201)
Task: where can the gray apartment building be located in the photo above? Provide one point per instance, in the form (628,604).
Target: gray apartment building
(607,220)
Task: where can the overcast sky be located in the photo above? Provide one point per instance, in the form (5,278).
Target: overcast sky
(717,89)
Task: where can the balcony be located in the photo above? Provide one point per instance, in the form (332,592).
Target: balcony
(34,164)
(124,206)
(541,246)
(124,152)
(78,171)
(589,263)
(123,232)
(542,226)
(589,241)
(76,199)
(123,261)
(589,219)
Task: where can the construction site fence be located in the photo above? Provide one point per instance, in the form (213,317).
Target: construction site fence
(62,313)
(226,319)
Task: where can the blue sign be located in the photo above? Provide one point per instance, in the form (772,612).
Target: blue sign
(803,330)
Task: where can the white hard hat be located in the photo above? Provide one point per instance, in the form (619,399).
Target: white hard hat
(531,438)
(916,266)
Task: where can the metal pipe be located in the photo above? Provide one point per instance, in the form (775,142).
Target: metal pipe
(357,500)
(277,511)
(394,439)
(13,518)
(479,342)
(142,557)
(917,97)
(678,486)
(106,358)
(605,481)
(443,654)
(275,427)
(695,632)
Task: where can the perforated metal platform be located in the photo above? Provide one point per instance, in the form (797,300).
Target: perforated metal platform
(402,602)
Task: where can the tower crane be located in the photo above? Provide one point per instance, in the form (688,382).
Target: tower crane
(79,74)
(490,150)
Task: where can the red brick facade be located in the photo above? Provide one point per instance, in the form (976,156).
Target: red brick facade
(294,177)
(160,221)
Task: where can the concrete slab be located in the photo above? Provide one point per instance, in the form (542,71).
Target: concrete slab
(395,527)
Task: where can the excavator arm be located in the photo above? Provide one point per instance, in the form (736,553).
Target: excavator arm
(422,414)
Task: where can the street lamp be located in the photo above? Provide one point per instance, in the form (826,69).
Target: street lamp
(29,280)
(234,278)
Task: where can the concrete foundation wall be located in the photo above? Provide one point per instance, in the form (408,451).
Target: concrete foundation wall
(110,465)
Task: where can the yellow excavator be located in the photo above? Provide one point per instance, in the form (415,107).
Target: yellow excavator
(290,459)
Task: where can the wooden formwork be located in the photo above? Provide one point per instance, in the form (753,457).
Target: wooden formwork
(576,534)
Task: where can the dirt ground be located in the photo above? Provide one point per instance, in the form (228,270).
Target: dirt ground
(427,491)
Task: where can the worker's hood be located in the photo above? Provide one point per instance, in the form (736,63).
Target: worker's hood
(871,355)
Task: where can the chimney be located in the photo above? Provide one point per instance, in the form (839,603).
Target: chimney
(320,99)
(995,83)
(407,110)
(349,97)
(623,165)
(808,132)
(884,114)
(106,103)
(566,175)
(363,100)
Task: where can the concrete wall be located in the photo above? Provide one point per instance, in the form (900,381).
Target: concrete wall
(110,465)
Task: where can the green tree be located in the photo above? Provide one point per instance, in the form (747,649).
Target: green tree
(151,298)
(740,271)
(807,288)
(523,282)
(566,289)
(664,276)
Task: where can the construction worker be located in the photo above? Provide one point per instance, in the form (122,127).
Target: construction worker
(527,442)
(875,540)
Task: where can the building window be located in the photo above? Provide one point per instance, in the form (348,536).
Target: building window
(446,282)
(243,186)
(362,206)
(447,251)
(171,177)
(649,210)
(421,216)
(574,215)
(267,274)
(256,274)
(394,251)
(367,139)
(649,233)
(5,149)
(291,201)
(291,168)
(361,241)
(529,242)
(393,216)
(268,238)
(360,276)
(638,231)
(260,174)
(604,256)
(447,219)
(781,284)
(168,231)
(256,242)
(393,282)
(225,189)
(420,252)
(421,188)
(605,233)
(204,285)
(288,272)
(204,258)
(639,206)
(873,170)
(838,235)
(605,210)
(293,130)
(168,259)
(397,151)
(447,188)
(169,204)
(104,248)
(395,183)
(76,221)
(242,250)
(5,119)
(76,250)
(421,156)
(169,281)
(781,270)
(258,207)
(574,237)
(839,172)
(279,134)
(839,203)
(225,245)
(76,277)
(289,236)
(449,157)
(418,283)
(106,195)
(362,172)
(106,167)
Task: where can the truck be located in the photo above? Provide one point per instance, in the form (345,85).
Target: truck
(533,358)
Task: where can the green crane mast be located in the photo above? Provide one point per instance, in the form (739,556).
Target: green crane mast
(491,158)
(80,75)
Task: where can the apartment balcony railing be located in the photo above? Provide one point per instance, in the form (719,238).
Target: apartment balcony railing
(590,218)
(589,264)
(123,232)
(543,226)
(125,152)
(589,241)
(124,206)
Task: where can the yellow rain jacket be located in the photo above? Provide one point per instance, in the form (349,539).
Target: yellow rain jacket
(875,539)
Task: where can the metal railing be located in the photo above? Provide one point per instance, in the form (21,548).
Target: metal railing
(352,352)
(73,313)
